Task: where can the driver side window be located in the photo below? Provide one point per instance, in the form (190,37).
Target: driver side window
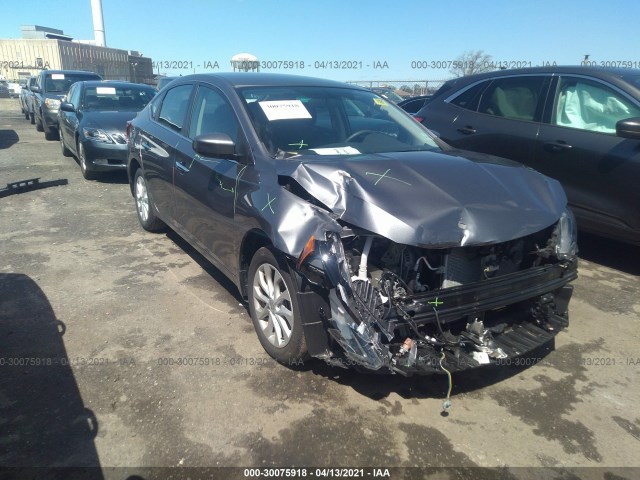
(212,114)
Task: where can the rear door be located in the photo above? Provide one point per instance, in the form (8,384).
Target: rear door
(157,143)
(578,146)
(500,117)
(206,187)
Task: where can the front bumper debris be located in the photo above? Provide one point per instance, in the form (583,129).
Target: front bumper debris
(490,322)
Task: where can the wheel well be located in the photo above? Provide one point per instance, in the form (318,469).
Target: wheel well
(253,241)
(133,167)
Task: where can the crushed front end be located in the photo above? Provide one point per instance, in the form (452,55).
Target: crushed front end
(415,310)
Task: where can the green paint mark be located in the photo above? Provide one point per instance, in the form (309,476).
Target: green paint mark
(235,195)
(300,144)
(436,302)
(269,201)
(384,175)
(232,190)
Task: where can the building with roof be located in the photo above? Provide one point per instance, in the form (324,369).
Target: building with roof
(48,48)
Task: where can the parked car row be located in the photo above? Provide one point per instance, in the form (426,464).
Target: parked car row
(578,125)
(87,114)
(355,235)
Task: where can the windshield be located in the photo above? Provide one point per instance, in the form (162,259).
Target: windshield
(331,121)
(120,98)
(60,82)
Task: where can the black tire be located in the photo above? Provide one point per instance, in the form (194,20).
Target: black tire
(50,134)
(82,160)
(39,124)
(26,114)
(147,214)
(32,118)
(65,151)
(293,350)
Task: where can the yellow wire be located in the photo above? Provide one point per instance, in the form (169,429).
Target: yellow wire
(448,375)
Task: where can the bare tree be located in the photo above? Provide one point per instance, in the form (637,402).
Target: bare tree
(472,62)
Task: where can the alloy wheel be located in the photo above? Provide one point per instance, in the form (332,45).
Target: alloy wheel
(272,302)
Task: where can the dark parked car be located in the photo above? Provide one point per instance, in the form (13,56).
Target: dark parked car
(26,99)
(4,90)
(93,119)
(413,104)
(576,124)
(50,87)
(164,81)
(378,247)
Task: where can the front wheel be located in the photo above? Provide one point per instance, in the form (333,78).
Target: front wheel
(40,124)
(82,159)
(63,148)
(144,207)
(273,304)
(32,118)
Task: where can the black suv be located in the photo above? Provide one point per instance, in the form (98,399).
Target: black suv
(50,87)
(579,125)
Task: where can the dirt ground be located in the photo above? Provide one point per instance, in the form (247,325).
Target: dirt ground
(121,348)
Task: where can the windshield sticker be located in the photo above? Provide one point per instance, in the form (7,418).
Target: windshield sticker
(284,110)
(105,90)
(57,76)
(379,101)
(336,151)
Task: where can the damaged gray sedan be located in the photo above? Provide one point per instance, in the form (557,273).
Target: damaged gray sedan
(356,236)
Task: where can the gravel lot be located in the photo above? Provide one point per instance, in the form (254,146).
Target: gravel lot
(96,316)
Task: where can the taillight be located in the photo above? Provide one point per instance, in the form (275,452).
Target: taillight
(418,119)
(127,131)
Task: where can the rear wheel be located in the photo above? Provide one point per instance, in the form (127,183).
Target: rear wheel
(32,118)
(273,304)
(144,207)
(26,114)
(82,159)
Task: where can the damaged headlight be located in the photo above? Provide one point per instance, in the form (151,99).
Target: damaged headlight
(323,262)
(567,235)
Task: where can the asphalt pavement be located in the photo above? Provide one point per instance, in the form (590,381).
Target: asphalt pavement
(122,348)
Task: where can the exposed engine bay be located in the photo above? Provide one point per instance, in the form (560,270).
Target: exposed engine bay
(417,310)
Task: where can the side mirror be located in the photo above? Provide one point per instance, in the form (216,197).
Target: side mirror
(629,128)
(214,145)
(67,107)
(35,89)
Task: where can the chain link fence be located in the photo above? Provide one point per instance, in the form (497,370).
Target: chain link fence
(404,88)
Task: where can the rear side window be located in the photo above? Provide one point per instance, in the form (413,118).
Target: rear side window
(513,97)
(175,105)
(469,98)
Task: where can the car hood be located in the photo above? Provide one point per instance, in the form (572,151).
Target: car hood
(431,199)
(107,120)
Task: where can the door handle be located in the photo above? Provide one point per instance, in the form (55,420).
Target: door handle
(468,130)
(182,168)
(559,146)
